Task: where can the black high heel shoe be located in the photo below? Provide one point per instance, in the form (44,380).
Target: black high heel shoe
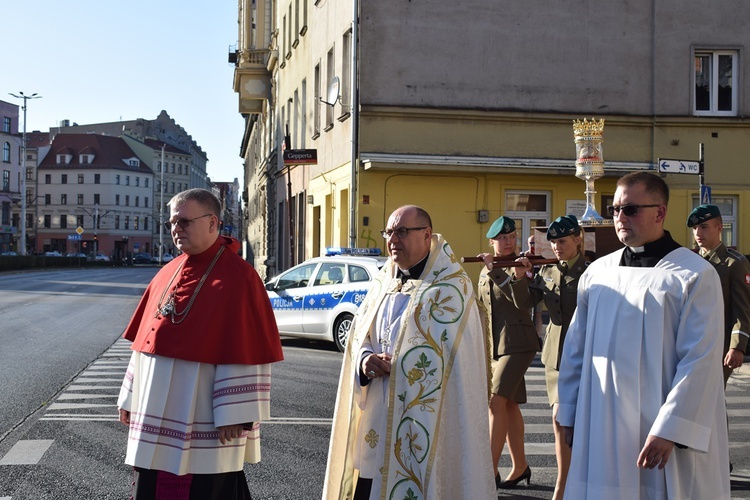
(512,483)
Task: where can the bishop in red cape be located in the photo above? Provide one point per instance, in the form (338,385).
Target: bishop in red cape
(199,378)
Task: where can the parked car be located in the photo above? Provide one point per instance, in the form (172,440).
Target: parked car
(142,258)
(74,254)
(101,257)
(318,298)
(164,258)
(53,253)
(8,254)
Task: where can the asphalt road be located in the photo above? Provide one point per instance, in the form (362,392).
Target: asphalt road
(61,364)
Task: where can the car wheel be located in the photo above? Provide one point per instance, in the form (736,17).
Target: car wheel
(341,330)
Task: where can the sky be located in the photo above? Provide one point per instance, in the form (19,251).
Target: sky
(104,61)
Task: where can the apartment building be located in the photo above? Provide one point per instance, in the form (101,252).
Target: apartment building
(95,195)
(470,116)
(10,168)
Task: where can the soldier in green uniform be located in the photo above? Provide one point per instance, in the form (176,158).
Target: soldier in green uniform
(514,345)
(734,273)
(556,284)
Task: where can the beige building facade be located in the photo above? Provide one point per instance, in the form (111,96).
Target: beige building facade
(470,116)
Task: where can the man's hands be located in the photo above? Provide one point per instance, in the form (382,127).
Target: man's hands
(655,452)
(125,417)
(376,365)
(229,432)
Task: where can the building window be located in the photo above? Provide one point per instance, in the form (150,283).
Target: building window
(79,220)
(330,73)
(728,208)
(117,222)
(96,199)
(6,152)
(127,222)
(715,83)
(127,180)
(63,178)
(6,180)
(117,199)
(80,178)
(30,221)
(29,196)
(63,221)
(97,178)
(145,202)
(346,63)
(127,200)
(48,221)
(135,222)
(47,199)
(6,124)
(145,223)
(80,199)
(145,182)
(117,179)
(137,181)
(63,199)
(85,159)
(137,200)
(48,178)
(529,209)
(316,102)
(29,174)
(6,213)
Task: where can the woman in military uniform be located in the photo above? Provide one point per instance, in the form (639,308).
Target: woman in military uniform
(514,345)
(556,284)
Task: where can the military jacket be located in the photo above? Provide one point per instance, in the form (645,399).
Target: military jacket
(559,295)
(734,273)
(512,328)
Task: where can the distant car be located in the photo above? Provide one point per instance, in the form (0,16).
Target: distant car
(79,255)
(8,254)
(101,257)
(53,253)
(318,298)
(142,258)
(164,258)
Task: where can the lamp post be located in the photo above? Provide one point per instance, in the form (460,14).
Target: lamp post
(161,207)
(23,168)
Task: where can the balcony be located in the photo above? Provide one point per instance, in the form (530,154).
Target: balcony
(252,79)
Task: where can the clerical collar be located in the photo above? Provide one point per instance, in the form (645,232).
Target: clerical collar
(649,254)
(414,272)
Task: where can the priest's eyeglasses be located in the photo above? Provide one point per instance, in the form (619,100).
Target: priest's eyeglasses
(628,210)
(183,223)
(401,232)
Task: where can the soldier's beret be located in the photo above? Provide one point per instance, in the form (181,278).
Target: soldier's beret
(563,226)
(702,213)
(503,225)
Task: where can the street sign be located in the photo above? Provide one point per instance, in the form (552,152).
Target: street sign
(668,166)
(79,230)
(74,237)
(300,157)
(705,195)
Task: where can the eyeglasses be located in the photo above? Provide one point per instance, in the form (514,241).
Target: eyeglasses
(628,210)
(401,232)
(183,223)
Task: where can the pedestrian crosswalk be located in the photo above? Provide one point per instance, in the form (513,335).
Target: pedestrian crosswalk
(92,396)
(540,441)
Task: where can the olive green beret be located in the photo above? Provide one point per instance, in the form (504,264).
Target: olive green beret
(503,225)
(702,213)
(563,226)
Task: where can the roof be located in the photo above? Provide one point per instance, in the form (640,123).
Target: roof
(157,144)
(109,152)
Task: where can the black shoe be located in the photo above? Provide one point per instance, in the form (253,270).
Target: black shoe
(512,483)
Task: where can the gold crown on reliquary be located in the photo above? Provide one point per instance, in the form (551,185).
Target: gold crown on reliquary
(588,129)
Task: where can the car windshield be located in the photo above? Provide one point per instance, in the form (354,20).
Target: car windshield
(296,278)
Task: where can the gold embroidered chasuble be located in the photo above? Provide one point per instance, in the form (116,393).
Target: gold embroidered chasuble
(437,429)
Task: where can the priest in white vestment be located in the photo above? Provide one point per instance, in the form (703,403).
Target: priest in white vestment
(641,387)
(411,417)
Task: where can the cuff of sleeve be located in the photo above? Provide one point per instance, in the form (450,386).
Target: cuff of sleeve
(566,415)
(685,432)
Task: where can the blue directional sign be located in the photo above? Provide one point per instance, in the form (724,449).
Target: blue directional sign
(75,237)
(668,166)
(705,195)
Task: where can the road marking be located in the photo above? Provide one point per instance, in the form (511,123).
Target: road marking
(299,421)
(27,452)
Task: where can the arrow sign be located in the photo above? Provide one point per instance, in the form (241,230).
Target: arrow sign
(679,166)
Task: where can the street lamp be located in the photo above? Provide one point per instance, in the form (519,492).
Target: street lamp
(161,207)
(23,168)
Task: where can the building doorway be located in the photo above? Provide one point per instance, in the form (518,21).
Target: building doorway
(529,209)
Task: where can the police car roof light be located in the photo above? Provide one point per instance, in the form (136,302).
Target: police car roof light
(373,252)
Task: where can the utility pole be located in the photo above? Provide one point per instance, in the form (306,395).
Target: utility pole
(161,208)
(23,168)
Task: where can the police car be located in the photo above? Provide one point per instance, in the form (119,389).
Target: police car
(318,298)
